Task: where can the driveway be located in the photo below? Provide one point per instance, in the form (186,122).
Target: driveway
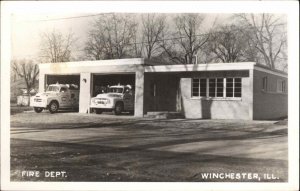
(90,147)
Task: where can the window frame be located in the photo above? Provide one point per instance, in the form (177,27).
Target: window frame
(265,83)
(215,88)
(281,86)
(199,88)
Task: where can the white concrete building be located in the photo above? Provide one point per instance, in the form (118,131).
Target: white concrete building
(219,90)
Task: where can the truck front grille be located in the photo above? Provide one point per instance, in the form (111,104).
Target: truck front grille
(101,101)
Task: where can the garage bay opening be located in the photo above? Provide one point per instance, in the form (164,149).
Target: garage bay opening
(113,93)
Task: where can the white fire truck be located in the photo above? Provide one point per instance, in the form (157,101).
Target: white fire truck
(118,98)
(57,96)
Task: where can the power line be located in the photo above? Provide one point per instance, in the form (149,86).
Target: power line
(67,18)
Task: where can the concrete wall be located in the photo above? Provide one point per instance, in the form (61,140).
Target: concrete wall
(85,92)
(139,94)
(42,79)
(269,104)
(257,105)
(86,68)
(241,108)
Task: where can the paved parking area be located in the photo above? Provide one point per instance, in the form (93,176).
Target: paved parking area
(92,147)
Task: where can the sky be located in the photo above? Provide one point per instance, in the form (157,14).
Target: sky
(29,20)
(27,28)
(26,31)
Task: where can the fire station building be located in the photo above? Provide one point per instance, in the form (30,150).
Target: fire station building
(212,91)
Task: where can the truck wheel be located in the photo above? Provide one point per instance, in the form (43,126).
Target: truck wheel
(38,109)
(98,111)
(118,108)
(53,107)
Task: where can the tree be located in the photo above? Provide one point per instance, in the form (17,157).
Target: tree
(111,36)
(95,45)
(228,44)
(153,27)
(27,70)
(187,39)
(266,34)
(55,47)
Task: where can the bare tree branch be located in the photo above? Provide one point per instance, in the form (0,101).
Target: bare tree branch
(111,37)
(153,27)
(266,37)
(187,39)
(55,47)
(27,70)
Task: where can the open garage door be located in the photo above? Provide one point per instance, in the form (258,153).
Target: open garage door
(102,81)
(62,79)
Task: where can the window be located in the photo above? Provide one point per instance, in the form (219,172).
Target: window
(281,86)
(115,90)
(217,87)
(63,89)
(212,88)
(53,89)
(265,83)
(229,87)
(196,87)
(199,87)
(203,90)
(237,87)
(220,87)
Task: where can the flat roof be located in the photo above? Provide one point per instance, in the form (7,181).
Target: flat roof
(152,66)
(113,62)
(200,67)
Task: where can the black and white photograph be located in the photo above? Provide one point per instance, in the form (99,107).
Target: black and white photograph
(149,95)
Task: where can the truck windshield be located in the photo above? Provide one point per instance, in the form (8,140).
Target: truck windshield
(53,89)
(115,90)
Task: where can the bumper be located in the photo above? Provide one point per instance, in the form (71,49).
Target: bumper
(101,106)
(38,104)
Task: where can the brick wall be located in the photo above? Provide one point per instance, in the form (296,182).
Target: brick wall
(218,109)
(269,104)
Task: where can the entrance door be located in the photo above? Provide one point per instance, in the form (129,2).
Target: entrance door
(154,95)
(163,94)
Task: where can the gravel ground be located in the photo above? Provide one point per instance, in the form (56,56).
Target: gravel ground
(90,147)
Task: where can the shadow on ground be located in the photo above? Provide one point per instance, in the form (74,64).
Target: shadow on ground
(134,148)
(102,163)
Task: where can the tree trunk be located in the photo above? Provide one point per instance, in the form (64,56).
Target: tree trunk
(28,92)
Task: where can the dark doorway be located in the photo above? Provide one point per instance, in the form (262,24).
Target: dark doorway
(62,79)
(102,81)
